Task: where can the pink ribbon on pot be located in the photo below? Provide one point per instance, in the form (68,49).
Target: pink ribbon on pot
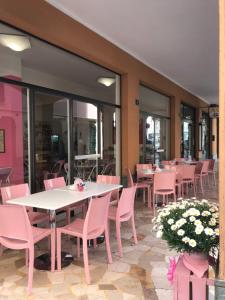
(171,269)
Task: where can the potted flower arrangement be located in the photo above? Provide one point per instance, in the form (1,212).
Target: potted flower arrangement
(190,226)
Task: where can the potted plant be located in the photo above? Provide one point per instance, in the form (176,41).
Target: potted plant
(190,226)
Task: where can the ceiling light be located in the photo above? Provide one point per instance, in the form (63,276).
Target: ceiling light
(107,81)
(15,42)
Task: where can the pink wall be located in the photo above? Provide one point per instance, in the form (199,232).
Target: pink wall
(11,120)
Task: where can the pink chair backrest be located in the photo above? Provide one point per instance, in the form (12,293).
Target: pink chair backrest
(14,224)
(108,179)
(97,215)
(53,183)
(198,168)
(211,164)
(140,168)
(14,191)
(179,172)
(188,172)
(130,181)
(111,180)
(205,166)
(126,202)
(164,181)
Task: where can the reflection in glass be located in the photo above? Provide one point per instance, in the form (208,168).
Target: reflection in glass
(13,120)
(51,137)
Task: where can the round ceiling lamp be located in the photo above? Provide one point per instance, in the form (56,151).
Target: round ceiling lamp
(15,42)
(107,81)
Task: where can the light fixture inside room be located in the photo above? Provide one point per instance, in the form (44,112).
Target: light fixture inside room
(15,42)
(107,81)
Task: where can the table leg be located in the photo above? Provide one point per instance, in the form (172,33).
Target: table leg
(43,262)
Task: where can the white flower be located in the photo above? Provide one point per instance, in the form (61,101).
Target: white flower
(185,239)
(212,222)
(182,206)
(215,215)
(159,234)
(212,209)
(170,221)
(192,243)
(160,227)
(181,232)
(205,201)
(181,222)
(173,227)
(154,227)
(192,218)
(153,220)
(197,222)
(185,215)
(208,231)
(199,229)
(206,213)
(217,231)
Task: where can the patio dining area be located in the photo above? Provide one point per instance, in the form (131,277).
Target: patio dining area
(138,272)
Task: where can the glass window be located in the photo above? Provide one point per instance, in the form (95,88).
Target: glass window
(154,102)
(188,131)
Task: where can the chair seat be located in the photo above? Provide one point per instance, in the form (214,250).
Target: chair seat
(187,180)
(112,212)
(37,217)
(141,185)
(74,228)
(164,191)
(40,233)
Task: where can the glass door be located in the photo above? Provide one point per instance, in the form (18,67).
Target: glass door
(205,135)
(51,137)
(154,139)
(188,131)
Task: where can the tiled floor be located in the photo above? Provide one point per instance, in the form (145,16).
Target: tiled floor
(140,274)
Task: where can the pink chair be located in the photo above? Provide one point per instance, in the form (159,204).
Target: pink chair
(22,190)
(124,212)
(59,182)
(164,185)
(179,177)
(188,178)
(16,232)
(145,186)
(201,173)
(94,224)
(110,180)
(211,170)
(166,162)
(141,176)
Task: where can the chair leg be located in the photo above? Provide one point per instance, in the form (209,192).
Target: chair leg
(134,229)
(53,250)
(95,243)
(86,266)
(107,243)
(174,197)
(78,247)
(31,269)
(27,257)
(144,195)
(201,183)
(149,198)
(118,236)
(214,177)
(58,235)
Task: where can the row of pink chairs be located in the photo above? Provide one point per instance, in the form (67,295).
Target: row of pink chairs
(20,234)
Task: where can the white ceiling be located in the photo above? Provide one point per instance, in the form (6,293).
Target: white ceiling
(178,38)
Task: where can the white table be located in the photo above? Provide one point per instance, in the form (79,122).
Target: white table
(151,172)
(58,198)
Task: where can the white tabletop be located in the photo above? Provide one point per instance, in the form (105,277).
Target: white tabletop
(61,197)
(151,172)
